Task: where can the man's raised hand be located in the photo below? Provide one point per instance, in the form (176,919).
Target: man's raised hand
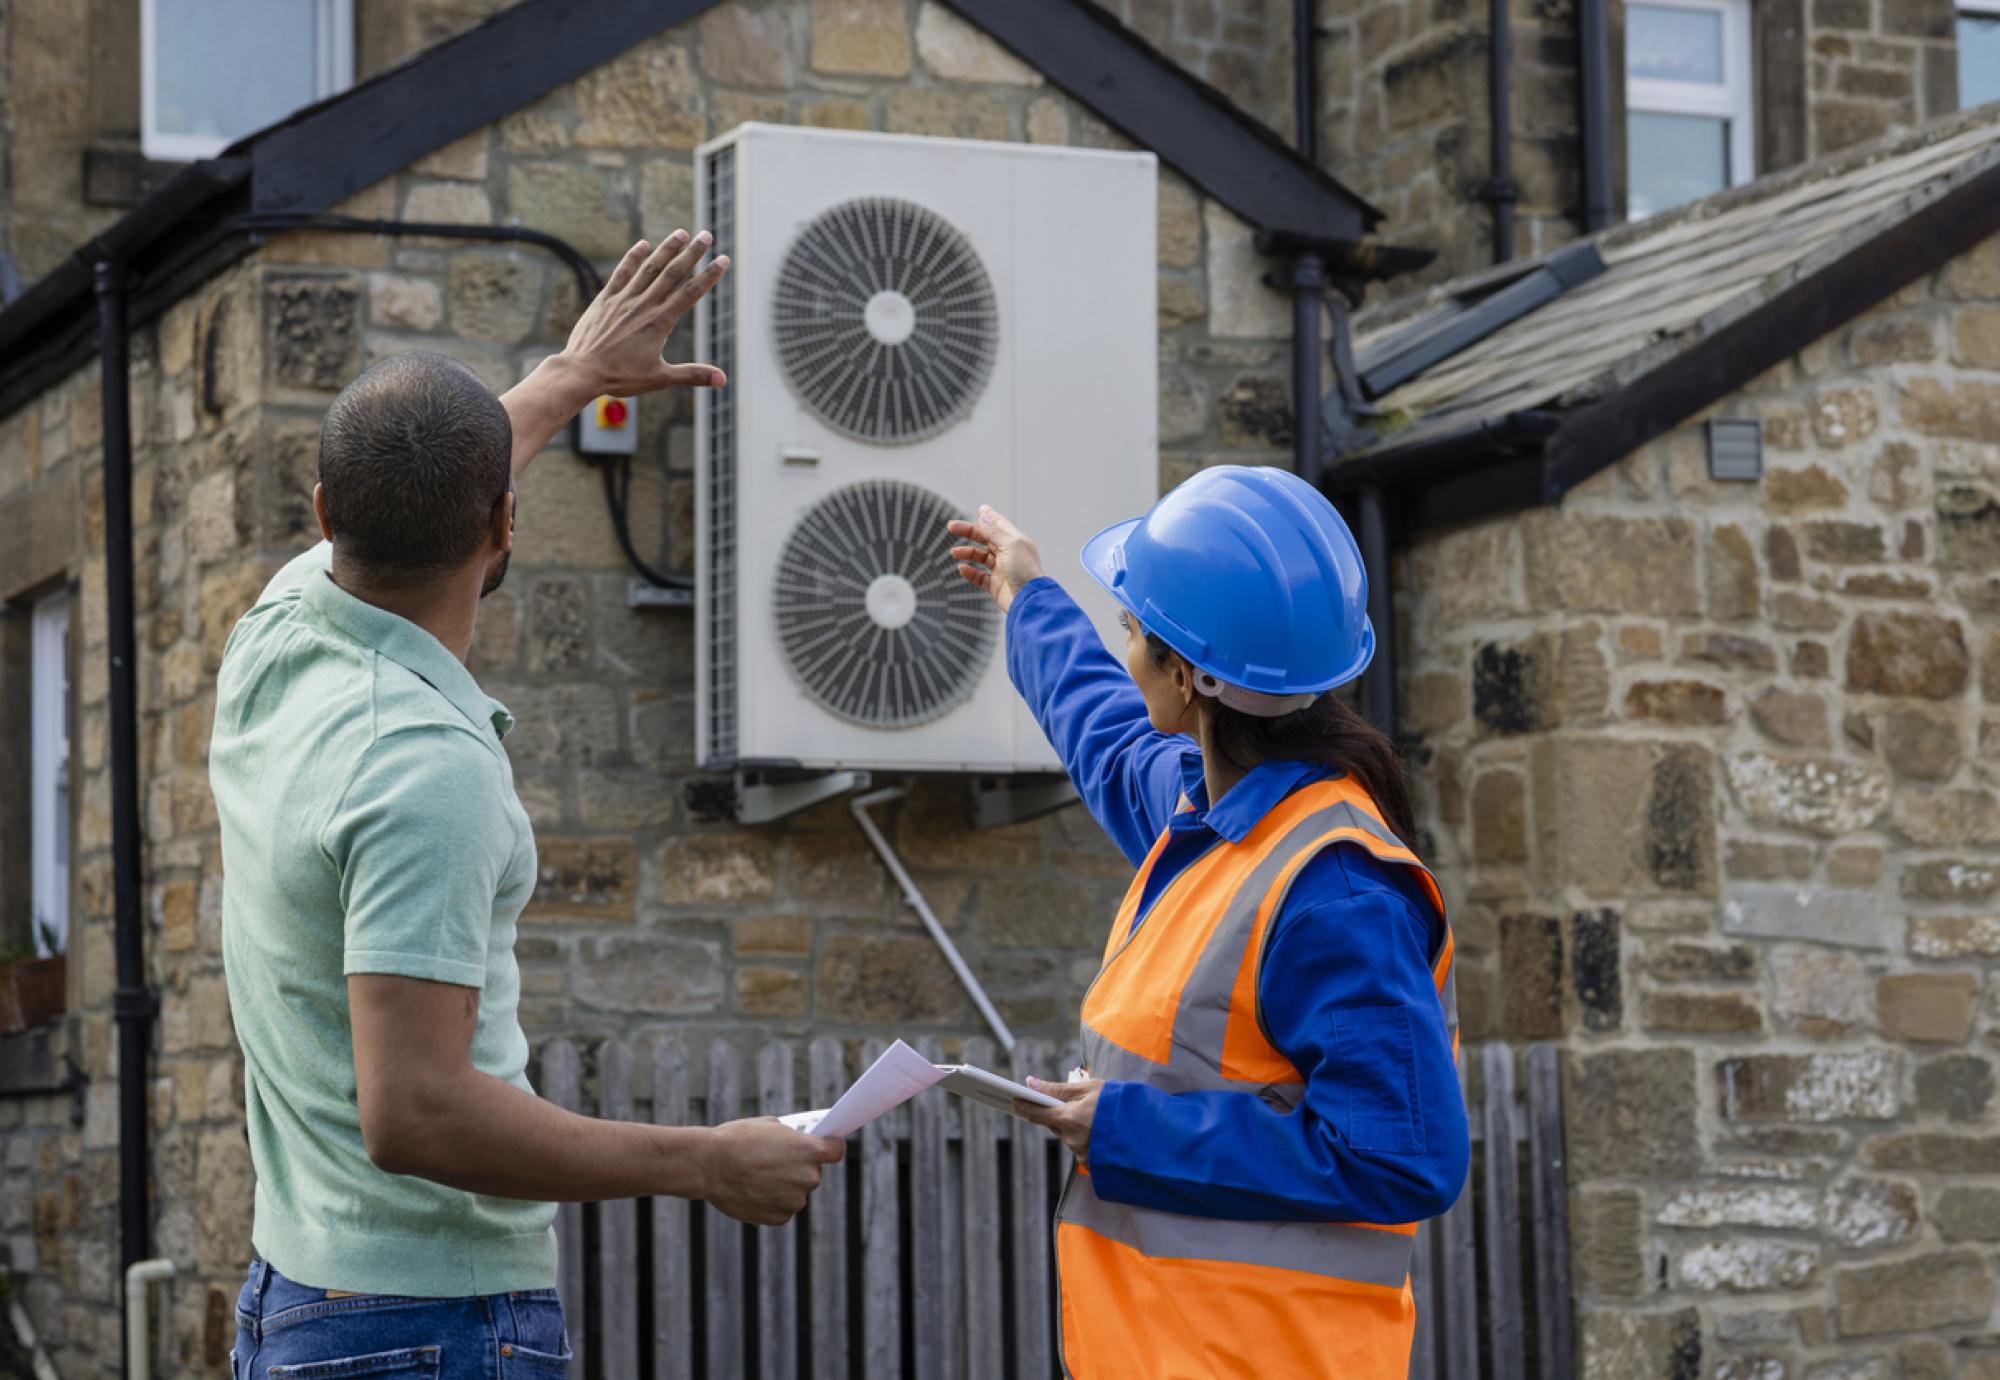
(620,335)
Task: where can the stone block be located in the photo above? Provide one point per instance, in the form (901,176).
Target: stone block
(1839,542)
(1701,1013)
(1777,1207)
(1917,1294)
(1794,718)
(1240,304)
(886,980)
(311,331)
(1867,1214)
(1606,847)
(1822,795)
(1823,992)
(594,878)
(1955,1086)
(860,38)
(1623,1344)
(773,936)
(834,871)
(1892,340)
(495,296)
(1975,336)
(1734,589)
(1965,408)
(947,112)
(1968,1212)
(1631,1113)
(1921,743)
(1949,819)
(1596,964)
(588,206)
(650,972)
(1682,960)
(764,991)
(224,1191)
(710,868)
(1499,818)
(1934,1008)
(1605,1232)
(646,97)
(1759,860)
(1845,1086)
(1844,415)
(1746,1266)
(404,303)
(1732,650)
(558,626)
(954,49)
(744,47)
(464,159)
(1968,517)
(1854,867)
(1936,1151)
(1256,411)
(1954,936)
(1179,223)
(1597,563)
(1949,880)
(1681,703)
(447,203)
(1531,977)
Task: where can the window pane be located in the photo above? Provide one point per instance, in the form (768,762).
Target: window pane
(1671,159)
(1666,43)
(1978,59)
(225,68)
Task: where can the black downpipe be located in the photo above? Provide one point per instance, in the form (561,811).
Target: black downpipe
(1593,38)
(134,1004)
(1308,284)
(1378,682)
(1500,191)
(1305,79)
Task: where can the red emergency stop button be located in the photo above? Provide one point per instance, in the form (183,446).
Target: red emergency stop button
(612,412)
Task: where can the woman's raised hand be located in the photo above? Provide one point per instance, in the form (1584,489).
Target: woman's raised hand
(996,555)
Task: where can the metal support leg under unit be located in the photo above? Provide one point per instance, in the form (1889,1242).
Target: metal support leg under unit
(1003,800)
(760,802)
(860,806)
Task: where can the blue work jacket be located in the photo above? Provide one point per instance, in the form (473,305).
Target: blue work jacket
(1352,933)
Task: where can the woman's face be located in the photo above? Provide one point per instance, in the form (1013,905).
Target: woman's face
(1169,689)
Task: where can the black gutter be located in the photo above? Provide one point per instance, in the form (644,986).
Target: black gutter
(134,1004)
(1500,191)
(1593,60)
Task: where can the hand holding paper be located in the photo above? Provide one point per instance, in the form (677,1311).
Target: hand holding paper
(899,1075)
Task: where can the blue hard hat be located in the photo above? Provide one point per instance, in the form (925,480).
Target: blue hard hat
(1249,573)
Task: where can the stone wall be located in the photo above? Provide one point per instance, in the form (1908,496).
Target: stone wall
(1708,770)
(646,919)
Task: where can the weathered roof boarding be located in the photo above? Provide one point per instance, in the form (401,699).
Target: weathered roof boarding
(1689,307)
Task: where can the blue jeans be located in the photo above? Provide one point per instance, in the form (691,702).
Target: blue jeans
(287,1331)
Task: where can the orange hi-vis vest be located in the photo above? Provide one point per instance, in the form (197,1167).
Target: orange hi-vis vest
(1163,1296)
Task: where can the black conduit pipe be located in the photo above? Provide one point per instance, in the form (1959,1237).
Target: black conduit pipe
(1305,79)
(1593,39)
(134,1004)
(1500,190)
(1308,284)
(1378,682)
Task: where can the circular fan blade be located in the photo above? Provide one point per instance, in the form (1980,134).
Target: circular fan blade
(873,617)
(885,320)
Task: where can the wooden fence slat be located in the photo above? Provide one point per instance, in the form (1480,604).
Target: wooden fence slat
(777,1247)
(673,1262)
(617,1231)
(1423,1275)
(983,1127)
(561,1076)
(1548,1187)
(929,1278)
(1458,1278)
(724,1235)
(1030,1227)
(827,1223)
(881,1242)
(1505,1331)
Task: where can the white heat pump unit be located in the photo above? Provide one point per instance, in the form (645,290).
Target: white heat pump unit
(912,327)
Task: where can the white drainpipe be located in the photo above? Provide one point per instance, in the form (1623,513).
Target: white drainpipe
(138,1326)
(860,806)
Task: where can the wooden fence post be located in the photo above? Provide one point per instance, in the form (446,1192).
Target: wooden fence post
(724,1235)
(617,1231)
(1505,1332)
(1031,1228)
(828,1225)
(881,1243)
(777,1247)
(1548,1187)
(561,1076)
(673,1305)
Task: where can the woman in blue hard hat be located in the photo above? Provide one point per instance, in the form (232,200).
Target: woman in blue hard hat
(1272,1104)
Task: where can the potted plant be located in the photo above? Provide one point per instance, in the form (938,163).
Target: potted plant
(10,1007)
(41,984)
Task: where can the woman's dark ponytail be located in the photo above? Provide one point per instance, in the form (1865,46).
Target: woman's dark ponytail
(1325,731)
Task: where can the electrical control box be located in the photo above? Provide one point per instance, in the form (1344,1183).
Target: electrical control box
(609,426)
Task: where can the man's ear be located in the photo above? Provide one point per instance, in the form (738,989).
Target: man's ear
(319,511)
(503,523)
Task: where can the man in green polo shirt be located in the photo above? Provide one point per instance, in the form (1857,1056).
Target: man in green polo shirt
(375,861)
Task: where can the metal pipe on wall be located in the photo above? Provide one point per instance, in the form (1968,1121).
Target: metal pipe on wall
(133,1004)
(1308,284)
(1305,79)
(1500,190)
(1593,40)
(1378,682)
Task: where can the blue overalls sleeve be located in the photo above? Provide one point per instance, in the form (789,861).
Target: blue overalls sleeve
(1130,777)
(1349,998)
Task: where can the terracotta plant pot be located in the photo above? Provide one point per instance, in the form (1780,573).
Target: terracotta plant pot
(10,1007)
(41,988)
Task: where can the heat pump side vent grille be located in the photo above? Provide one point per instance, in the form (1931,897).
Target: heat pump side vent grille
(886,322)
(719,349)
(874,619)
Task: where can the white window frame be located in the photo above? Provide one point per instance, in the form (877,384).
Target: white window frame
(335,19)
(1984,9)
(1735,100)
(49,767)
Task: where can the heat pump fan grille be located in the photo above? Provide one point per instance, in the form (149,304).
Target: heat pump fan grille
(885,320)
(875,621)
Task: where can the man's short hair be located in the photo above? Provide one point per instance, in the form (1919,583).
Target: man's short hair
(413,455)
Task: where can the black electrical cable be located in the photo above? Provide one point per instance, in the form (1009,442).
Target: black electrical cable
(617,470)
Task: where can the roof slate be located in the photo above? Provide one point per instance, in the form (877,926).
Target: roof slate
(1674,280)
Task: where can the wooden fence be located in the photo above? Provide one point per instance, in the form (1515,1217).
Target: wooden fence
(928,1253)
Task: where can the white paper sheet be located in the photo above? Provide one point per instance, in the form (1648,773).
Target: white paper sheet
(899,1075)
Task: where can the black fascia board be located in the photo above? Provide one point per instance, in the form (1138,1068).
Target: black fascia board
(1188,123)
(1438,335)
(1605,431)
(328,152)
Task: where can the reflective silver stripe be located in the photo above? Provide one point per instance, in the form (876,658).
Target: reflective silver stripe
(1327,1249)
(1188,1072)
